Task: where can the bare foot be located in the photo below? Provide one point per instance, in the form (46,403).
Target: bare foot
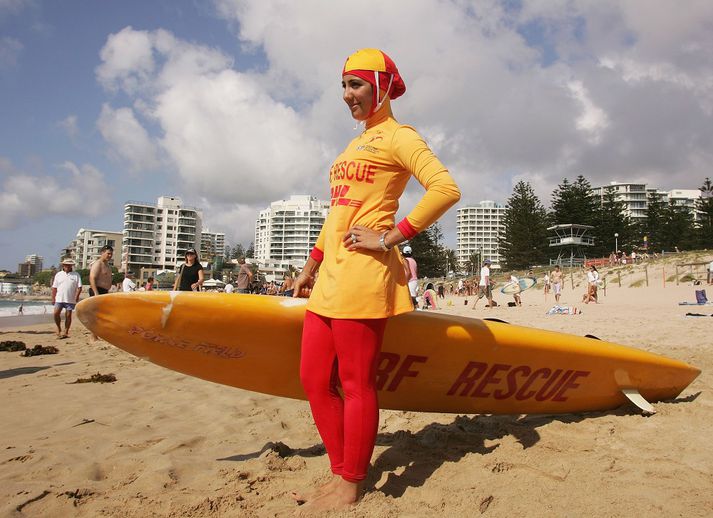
(308,496)
(59,334)
(344,495)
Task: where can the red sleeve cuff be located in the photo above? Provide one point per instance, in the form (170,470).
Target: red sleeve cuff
(407,229)
(317,254)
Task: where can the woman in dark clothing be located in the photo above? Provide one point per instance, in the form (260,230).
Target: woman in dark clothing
(190,275)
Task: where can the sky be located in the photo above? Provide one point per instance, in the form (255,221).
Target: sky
(233,104)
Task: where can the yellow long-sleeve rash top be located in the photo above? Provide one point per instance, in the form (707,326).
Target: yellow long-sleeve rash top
(367,179)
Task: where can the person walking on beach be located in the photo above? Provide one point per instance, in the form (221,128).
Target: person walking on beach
(592,284)
(484,285)
(710,272)
(514,281)
(556,279)
(245,277)
(66,288)
(411,268)
(362,280)
(190,274)
(547,284)
(128,284)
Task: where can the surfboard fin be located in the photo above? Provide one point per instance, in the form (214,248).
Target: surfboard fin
(636,398)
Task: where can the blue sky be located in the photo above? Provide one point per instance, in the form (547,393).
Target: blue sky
(232,104)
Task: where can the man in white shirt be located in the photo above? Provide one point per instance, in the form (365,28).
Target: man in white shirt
(128,284)
(66,288)
(229,288)
(710,272)
(484,287)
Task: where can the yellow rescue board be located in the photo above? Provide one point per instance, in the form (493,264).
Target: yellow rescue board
(430,362)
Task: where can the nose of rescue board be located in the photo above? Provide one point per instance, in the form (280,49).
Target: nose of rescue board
(429,362)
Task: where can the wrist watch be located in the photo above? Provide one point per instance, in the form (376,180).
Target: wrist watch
(382,242)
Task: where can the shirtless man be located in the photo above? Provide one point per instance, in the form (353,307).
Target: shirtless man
(100,274)
(556,279)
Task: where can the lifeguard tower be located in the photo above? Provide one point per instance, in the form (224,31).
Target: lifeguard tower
(572,241)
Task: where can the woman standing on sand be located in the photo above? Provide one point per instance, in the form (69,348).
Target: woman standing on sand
(362,281)
(592,283)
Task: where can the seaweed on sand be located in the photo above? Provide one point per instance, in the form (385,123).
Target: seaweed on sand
(40,349)
(12,345)
(97,378)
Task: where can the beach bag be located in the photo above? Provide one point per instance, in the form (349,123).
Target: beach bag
(701,297)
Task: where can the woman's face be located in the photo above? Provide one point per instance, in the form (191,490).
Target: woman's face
(357,95)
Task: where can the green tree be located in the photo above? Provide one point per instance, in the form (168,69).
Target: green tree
(237,251)
(250,252)
(705,207)
(473,264)
(678,230)
(451,260)
(116,275)
(523,241)
(44,278)
(611,218)
(84,274)
(653,224)
(573,203)
(428,252)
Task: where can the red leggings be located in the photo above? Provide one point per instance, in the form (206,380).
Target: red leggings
(343,351)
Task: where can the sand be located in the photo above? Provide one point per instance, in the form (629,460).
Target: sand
(158,443)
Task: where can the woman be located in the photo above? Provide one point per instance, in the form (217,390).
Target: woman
(592,283)
(429,297)
(362,280)
(411,269)
(190,274)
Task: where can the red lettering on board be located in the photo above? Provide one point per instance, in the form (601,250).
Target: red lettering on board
(543,395)
(571,384)
(404,371)
(387,363)
(467,378)
(512,382)
(522,394)
(490,377)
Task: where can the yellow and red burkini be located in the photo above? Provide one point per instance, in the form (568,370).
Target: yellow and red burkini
(366,180)
(358,290)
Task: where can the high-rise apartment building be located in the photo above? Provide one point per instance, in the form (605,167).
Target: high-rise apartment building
(287,230)
(633,195)
(687,198)
(84,248)
(32,265)
(156,236)
(477,231)
(635,198)
(212,245)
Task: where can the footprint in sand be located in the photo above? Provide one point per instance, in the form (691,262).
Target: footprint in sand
(187,444)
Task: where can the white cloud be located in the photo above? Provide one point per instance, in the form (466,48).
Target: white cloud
(127,138)
(70,126)
(10,49)
(600,90)
(75,191)
(127,60)
(593,120)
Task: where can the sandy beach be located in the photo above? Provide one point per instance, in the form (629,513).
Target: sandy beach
(158,443)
